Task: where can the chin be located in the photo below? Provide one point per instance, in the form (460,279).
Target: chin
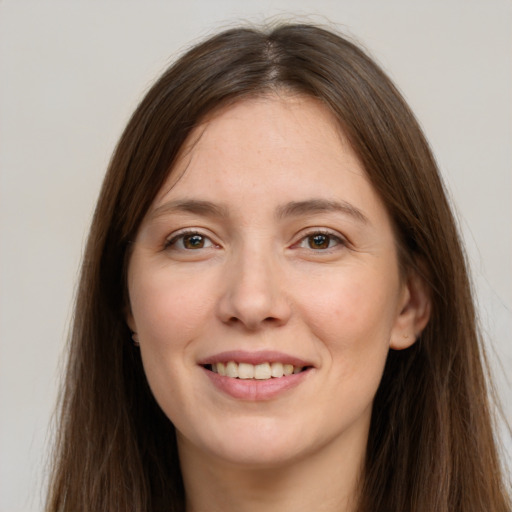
(260,444)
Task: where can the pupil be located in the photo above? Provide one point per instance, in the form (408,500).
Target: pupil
(194,242)
(319,242)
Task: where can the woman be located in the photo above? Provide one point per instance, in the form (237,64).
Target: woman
(274,311)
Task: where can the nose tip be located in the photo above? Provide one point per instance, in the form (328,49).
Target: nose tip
(253,297)
(254,313)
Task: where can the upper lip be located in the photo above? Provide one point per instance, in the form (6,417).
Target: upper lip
(258,357)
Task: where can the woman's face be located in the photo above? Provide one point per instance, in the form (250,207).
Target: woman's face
(267,251)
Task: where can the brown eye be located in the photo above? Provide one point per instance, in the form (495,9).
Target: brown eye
(189,242)
(319,241)
(193,241)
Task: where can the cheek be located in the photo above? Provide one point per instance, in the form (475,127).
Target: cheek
(168,312)
(350,316)
(352,313)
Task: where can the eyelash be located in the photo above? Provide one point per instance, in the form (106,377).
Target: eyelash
(182,235)
(329,235)
(332,237)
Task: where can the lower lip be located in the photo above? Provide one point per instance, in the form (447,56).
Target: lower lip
(253,389)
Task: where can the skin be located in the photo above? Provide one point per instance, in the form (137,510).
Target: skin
(257,279)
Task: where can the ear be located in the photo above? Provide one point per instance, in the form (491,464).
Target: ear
(130,321)
(414,312)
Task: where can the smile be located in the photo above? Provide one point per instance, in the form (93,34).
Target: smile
(256,375)
(262,371)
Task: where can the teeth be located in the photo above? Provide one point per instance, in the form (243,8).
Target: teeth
(262,371)
(277,369)
(245,371)
(287,369)
(232,369)
(221,368)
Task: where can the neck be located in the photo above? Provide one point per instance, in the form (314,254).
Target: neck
(326,481)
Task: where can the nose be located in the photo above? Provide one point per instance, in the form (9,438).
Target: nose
(253,292)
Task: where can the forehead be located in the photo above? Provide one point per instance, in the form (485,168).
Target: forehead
(282,146)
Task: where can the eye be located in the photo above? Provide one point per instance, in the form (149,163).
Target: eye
(189,241)
(319,241)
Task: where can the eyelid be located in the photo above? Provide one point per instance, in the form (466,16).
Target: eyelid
(176,235)
(303,235)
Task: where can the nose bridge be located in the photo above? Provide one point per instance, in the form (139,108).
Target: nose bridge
(254,294)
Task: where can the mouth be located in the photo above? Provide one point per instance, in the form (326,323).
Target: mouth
(262,371)
(256,375)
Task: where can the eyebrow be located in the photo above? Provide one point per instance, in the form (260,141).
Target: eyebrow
(291,209)
(198,207)
(314,206)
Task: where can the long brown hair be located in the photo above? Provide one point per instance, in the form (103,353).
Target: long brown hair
(431,445)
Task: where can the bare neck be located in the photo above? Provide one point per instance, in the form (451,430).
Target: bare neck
(326,481)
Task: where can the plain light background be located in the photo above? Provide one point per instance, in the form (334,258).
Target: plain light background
(72,72)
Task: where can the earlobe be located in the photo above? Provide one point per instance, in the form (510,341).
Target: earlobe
(130,321)
(413,315)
